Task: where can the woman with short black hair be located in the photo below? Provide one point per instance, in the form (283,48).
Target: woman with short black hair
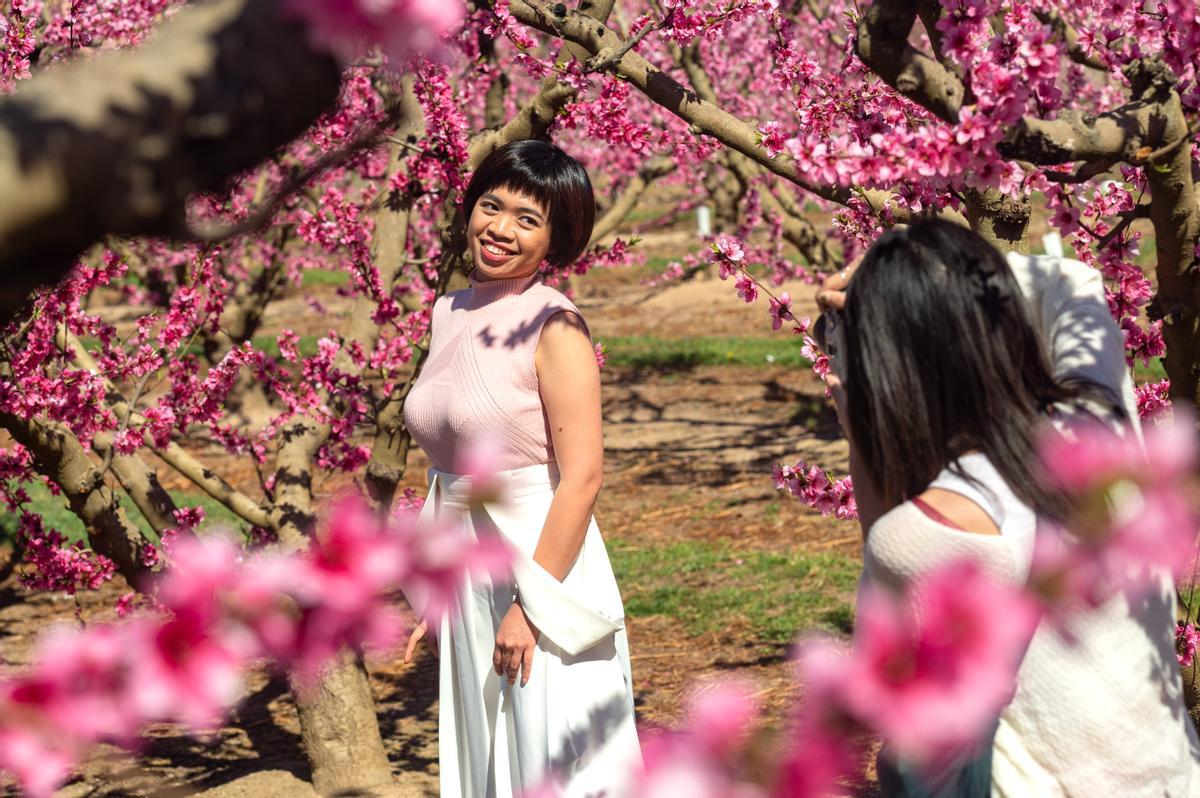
(535,682)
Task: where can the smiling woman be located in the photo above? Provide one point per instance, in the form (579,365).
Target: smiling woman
(535,682)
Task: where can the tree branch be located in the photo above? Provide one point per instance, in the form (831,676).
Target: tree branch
(882,44)
(117,142)
(606,225)
(60,456)
(173,454)
(663,89)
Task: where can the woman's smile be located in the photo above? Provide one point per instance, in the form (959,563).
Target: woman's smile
(508,235)
(494,254)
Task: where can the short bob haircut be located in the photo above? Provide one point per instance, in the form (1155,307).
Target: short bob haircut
(553,178)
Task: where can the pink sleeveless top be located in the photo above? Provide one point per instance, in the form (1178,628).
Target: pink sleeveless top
(480,376)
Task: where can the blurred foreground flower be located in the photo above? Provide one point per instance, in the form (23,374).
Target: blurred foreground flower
(1136,517)
(701,759)
(929,671)
(221,613)
(400,27)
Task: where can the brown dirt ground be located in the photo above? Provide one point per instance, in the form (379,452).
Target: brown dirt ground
(674,442)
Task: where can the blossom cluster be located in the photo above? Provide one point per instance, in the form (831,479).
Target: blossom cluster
(813,486)
(215,614)
(1136,518)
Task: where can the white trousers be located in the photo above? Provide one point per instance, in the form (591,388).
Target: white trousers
(573,721)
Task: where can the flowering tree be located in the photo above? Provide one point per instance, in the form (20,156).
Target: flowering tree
(233,136)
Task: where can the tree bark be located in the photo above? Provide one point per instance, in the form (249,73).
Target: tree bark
(116,143)
(340,732)
(1001,220)
(59,455)
(1176,219)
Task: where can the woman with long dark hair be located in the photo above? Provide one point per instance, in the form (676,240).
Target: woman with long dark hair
(535,683)
(945,383)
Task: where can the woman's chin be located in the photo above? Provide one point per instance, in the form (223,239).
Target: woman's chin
(505,271)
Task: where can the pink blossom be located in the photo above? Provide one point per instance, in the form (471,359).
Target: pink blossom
(746,288)
(727,253)
(401,27)
(812,485)
(478,460)
(780,309)
(721,716)
(1186,638)
(1153,399)
(772,138)
(930,671)
(931,676)
(40,762)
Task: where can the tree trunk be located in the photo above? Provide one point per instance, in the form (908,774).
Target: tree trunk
(999,219)
(1176,222)
(340,732)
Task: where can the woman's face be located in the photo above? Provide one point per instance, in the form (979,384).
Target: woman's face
(508,234)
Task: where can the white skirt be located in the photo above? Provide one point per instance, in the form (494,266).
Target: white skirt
(573,721)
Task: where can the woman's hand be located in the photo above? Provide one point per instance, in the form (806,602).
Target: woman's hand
(515,643)
(419,633)
(832,293)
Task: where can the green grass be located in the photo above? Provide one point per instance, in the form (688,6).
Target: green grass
(708,586)
(1152,373)
(324,277)
(662,354)
(270,344)
(56,514)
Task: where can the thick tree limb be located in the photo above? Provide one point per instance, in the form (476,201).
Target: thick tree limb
(60,456)
(1176,218)
(1118,135)
(140,482)
(882,44)
(115,143)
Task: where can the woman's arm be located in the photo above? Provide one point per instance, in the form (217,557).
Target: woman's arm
(569,380)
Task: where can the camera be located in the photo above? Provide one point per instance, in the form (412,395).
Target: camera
(829,332)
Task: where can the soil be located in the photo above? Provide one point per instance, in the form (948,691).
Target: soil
(674,442)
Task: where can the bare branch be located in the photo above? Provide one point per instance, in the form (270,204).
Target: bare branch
(653,169)
(262,215)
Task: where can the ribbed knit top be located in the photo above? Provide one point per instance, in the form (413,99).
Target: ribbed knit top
(480,377)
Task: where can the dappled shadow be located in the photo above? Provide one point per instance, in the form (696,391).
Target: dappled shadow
(266,746)
(408,713)
(701,430)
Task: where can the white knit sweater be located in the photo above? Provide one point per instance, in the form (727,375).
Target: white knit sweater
(1102,716)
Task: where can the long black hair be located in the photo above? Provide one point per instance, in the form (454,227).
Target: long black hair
(942,358)
(542,171)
